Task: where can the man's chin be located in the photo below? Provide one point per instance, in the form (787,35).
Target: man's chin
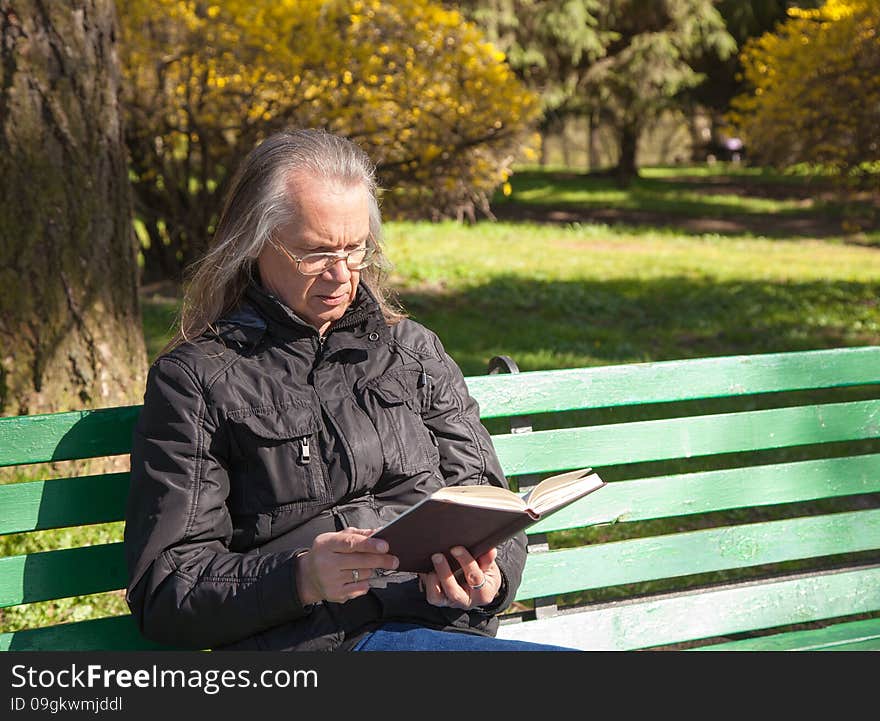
(328,316)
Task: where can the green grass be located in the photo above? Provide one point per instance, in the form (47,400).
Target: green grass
(649,193)
(727,199)
(653,285)
(583,293)
(158,315)
(534,184)
(65,610)
(555,297)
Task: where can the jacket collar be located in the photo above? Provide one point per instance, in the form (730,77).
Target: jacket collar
(260,313)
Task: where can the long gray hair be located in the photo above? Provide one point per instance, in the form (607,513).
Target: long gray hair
(257,203)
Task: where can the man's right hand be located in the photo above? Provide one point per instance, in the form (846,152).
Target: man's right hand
(339,565)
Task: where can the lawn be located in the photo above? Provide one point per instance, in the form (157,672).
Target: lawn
(647,283)
(564,296)
(684,263)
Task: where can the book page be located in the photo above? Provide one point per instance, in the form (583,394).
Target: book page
(484,496)
(558,490)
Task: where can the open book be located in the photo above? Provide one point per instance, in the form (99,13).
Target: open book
(477,517)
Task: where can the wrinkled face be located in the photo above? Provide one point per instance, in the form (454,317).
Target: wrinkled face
(329,217)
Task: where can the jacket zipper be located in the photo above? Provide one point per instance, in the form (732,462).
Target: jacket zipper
(346,322)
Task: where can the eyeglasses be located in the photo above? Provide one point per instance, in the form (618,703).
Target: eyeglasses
(317,263)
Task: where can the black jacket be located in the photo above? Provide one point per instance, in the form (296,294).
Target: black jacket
(260,435)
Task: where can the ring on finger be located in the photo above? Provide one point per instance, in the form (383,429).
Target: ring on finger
(479,585)
(355,576)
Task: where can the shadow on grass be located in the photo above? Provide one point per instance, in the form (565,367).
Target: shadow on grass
(556,324)
(670,202)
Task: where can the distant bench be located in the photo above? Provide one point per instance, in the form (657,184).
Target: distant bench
(743,509)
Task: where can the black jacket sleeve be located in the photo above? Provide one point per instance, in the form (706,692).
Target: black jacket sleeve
(467,457)
(186,589)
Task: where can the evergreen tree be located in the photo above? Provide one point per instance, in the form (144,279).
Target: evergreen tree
(744,19)
(550,45)
(624,61)
(648,64)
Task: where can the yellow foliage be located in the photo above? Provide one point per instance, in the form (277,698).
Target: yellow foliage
(831,10)
(815,91)
(420,89)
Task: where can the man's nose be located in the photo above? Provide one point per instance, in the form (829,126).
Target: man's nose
(339,271)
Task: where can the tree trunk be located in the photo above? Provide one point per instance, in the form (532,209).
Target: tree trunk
(588,136)
(696,127)
(565,143)
(626,164)
(70,326)
(594,164)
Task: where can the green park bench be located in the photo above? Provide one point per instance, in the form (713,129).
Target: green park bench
(742,509)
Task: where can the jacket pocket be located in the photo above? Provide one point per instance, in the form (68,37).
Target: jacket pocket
(393,401)
(276,457)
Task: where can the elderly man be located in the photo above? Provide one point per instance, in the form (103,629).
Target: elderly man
(296,410)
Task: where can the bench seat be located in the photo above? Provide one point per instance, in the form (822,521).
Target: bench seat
(742,510)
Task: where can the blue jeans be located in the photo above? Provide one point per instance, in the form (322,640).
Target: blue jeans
(409,637)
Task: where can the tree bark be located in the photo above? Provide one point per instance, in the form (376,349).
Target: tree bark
(594,164)
(565,142)
(70,325)
(626,164)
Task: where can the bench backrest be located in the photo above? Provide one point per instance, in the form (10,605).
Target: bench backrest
(702,532)
(748,502)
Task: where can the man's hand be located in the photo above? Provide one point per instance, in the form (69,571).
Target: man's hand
(482,580)
(339,565)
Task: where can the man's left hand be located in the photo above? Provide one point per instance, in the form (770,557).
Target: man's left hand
(479,586)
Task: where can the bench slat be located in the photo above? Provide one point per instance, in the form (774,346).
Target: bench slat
(107,431)
(44,576)
(114,633)
(707,613)
(869,645)
(667,381)
(714,549)
(59,574)
(38,505)
(671,619)
(838,637)
(66,436)
(689,493)
(605,445)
